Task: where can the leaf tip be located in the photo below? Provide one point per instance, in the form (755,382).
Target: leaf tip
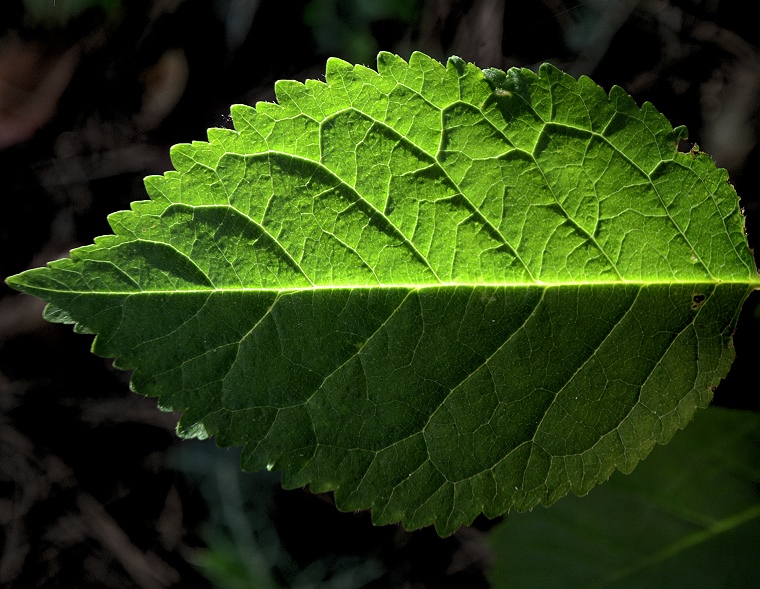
(25,281)
(14,281)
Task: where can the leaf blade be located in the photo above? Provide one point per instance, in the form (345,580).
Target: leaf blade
(397,286)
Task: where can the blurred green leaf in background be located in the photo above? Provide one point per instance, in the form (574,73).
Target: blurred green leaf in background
(688,516)
(62,11)
(355,29)
(244,550)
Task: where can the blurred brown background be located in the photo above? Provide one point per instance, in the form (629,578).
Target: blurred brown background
(95,489)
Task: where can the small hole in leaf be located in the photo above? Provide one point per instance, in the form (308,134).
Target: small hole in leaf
(697,300)
(684,145)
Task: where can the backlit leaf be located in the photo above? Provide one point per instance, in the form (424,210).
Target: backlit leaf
(437,291)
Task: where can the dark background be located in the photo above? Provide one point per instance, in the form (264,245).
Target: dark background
(95,489)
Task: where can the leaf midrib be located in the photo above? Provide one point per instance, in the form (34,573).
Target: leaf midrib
(432,286)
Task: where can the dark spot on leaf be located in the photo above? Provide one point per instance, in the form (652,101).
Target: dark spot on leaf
(697,300)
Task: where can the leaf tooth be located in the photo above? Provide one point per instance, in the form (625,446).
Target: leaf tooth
(270,109)
(154,186)
(335,70)
(226,139)
(420,61)
(389,64)
(243,118)
(252,128)
(186,156)
(366,73)
(296,99)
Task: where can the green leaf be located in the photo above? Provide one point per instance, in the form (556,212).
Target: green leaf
(434,291)
(687,517)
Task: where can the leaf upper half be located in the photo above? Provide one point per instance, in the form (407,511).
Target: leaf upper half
(432,295)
